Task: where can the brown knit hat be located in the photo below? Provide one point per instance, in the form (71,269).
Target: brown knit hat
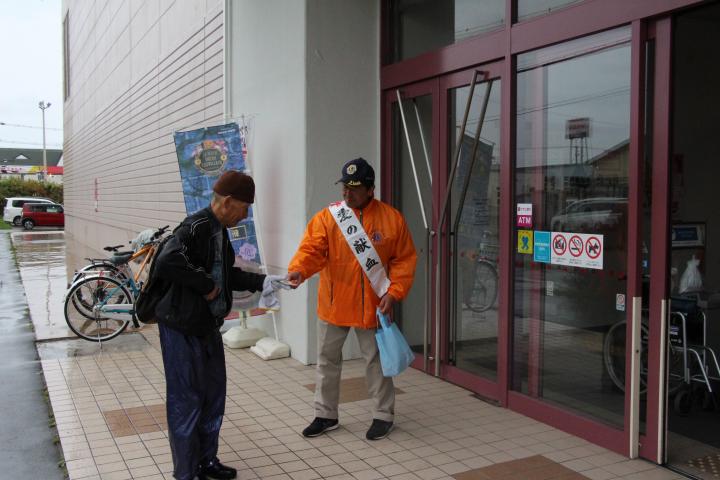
(237,185)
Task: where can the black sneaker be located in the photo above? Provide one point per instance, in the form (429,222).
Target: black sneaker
(320,426)
(379,429)
(216,471)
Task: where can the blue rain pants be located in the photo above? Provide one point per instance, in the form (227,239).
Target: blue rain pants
(196,383)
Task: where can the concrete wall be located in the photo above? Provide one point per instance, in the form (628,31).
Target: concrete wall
(307,73)
(138,71)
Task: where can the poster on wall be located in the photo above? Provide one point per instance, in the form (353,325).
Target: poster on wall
(203,155)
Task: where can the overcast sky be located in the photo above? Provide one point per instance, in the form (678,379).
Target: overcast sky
(31,49)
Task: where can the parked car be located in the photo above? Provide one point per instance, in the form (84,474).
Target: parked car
(42,215)
(14,206)
(591,214)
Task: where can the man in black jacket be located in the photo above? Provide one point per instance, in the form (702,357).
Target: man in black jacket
(197,263)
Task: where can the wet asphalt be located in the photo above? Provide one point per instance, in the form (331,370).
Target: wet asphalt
(27,449)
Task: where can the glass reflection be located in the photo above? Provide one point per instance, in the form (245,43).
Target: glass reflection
(532,8)
(474,329)
(572,166)
(410,313)
(419,26)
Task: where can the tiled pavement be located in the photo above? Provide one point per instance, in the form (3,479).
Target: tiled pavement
(108,408)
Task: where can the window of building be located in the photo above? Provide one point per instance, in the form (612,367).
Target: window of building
(419,26)
(532,8)
(572,165)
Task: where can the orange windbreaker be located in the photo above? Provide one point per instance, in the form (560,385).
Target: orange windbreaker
(345,297)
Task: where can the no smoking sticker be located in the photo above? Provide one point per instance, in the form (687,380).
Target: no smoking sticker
(576,246)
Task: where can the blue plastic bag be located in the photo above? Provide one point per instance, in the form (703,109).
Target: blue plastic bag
(395,353)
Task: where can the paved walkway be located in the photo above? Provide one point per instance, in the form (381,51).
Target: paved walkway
(109,406)
(27,449)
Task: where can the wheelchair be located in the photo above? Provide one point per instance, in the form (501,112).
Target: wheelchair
(691,362)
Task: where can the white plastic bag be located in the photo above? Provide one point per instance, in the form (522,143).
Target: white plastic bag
(691,280)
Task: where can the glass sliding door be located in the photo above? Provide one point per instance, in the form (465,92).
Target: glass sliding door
(572,172)
(474,219)
(413,139)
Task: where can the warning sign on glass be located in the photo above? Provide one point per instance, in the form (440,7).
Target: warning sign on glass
(577,250)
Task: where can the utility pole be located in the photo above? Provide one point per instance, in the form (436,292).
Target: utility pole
(42,105)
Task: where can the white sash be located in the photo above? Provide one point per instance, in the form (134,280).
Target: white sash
(361,247)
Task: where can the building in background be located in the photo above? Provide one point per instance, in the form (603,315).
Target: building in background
(27,164)
(594,124)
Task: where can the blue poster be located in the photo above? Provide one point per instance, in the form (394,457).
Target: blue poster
(204,154)
(542,247)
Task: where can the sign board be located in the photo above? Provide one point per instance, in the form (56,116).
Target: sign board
(203,155)
(577,250)
(542,247)
(524,215)
(688,235)
(620,302)
(577,128)
(525,242)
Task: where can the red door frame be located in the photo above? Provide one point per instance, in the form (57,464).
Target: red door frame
(654,445)
(427,87)
(582,19)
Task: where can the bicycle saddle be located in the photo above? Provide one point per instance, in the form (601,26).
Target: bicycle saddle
(121,258)
(112,248)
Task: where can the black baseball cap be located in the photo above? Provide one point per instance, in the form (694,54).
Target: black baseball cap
(357,172)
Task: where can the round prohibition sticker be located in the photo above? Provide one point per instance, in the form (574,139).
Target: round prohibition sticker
(575,246)
(593,247)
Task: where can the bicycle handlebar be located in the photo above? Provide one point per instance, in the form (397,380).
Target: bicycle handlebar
(160,231)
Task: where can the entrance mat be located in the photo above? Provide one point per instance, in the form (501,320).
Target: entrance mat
(137,420)
(352,389)
(537,467)
(709,465)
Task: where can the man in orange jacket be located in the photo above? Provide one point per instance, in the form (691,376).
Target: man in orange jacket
(369,264)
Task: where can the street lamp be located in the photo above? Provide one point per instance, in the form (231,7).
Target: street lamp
(42,105)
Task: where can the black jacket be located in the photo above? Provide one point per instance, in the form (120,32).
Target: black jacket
(185,263)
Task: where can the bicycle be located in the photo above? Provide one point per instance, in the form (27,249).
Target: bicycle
(482,294)
(116,265)
(99,304)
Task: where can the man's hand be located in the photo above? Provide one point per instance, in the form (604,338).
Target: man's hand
(386,303)
(211,296)
(295,279)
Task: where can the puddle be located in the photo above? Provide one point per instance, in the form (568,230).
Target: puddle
(77,347)
(41,258)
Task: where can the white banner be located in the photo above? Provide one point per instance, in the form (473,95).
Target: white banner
(360,245)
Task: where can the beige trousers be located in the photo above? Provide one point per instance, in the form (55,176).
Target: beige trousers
(327,384)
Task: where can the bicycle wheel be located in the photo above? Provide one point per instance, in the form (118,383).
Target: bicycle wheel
(94,268)
(614,355)
(80,303)
(484,288)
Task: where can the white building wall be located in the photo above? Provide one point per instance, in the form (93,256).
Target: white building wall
(138,71)
(309,73)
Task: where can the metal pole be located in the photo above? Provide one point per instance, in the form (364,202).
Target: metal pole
(412,159)
(428,231)
(438,249)
(42,105)
(422,139)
